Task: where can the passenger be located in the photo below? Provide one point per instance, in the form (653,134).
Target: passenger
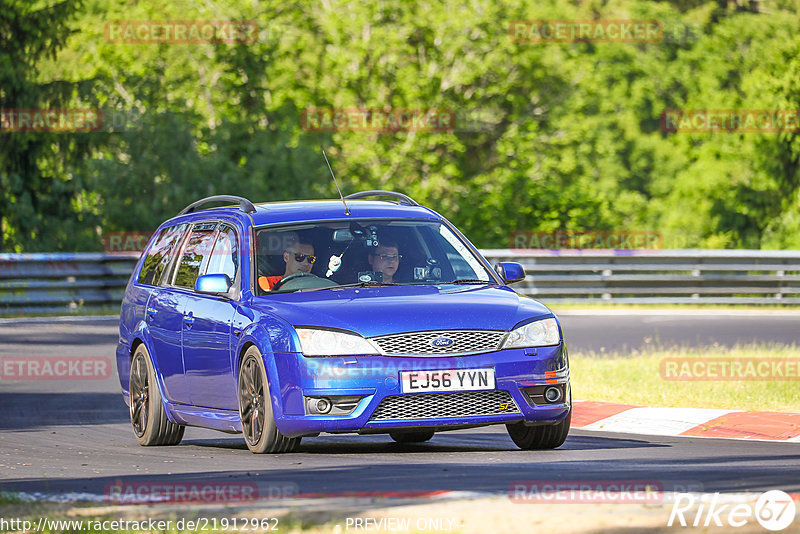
(385,259)
(299,257)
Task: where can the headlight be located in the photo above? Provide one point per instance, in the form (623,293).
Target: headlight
(535,334)
(316,342)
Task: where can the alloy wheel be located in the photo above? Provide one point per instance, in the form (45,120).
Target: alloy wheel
(251,401)
(140,395)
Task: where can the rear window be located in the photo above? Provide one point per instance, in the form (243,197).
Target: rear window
(158,255)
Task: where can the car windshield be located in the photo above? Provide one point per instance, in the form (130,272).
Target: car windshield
(325,255)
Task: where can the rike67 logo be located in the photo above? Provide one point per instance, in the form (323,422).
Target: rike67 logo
(774,510)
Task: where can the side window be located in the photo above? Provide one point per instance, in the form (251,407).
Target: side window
(225,257)
(196,256)
(159,254)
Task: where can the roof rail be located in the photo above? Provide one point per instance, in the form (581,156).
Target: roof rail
(244,204)
(404,199)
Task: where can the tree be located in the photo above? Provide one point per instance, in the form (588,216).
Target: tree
(37,209)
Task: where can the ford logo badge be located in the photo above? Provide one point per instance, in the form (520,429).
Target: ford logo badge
(441,341)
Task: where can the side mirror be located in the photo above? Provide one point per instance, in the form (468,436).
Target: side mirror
(213,284)
(510,271)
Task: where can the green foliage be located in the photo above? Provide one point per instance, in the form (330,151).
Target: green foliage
(547,136)
(36,208)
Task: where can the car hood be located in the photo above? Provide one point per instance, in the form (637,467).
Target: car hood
(375,311)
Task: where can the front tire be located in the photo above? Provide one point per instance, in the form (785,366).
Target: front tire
(148,418)
(412,437)
(531,438)
(255,409)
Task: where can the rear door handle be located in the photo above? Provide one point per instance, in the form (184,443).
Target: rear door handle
(151,312)
(188,320)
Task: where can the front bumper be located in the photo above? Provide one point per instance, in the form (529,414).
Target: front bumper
(376,378)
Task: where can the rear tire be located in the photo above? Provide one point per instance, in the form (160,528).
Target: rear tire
(255,409)
(531,438)
(148,418)
(412,437)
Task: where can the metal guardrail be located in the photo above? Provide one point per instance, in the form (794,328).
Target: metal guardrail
(63,282)
(691,276)
(58,282)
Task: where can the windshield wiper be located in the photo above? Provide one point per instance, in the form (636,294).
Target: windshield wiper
(368,283)
(469,281)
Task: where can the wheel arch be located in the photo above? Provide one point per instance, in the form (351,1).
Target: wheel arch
(257,336)
(137,341)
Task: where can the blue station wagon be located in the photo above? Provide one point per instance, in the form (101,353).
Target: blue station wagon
(369,314)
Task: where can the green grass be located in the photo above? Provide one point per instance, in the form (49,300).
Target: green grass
(636,379)
(10,498)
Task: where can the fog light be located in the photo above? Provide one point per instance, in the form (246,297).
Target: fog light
(552,394)
(323,405)
(332,405)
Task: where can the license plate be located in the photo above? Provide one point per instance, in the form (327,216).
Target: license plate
(447,380)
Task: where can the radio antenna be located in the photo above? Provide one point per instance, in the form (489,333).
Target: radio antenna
(324,155)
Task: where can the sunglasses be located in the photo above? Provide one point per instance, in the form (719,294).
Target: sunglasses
(300,257)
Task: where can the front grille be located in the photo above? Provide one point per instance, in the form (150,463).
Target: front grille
(424,343)
(434,405)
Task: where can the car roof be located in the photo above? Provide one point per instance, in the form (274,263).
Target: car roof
(306,210)
(295,211)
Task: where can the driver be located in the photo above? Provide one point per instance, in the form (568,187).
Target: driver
(299,258)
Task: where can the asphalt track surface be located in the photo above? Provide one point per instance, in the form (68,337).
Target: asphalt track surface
(66,436)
